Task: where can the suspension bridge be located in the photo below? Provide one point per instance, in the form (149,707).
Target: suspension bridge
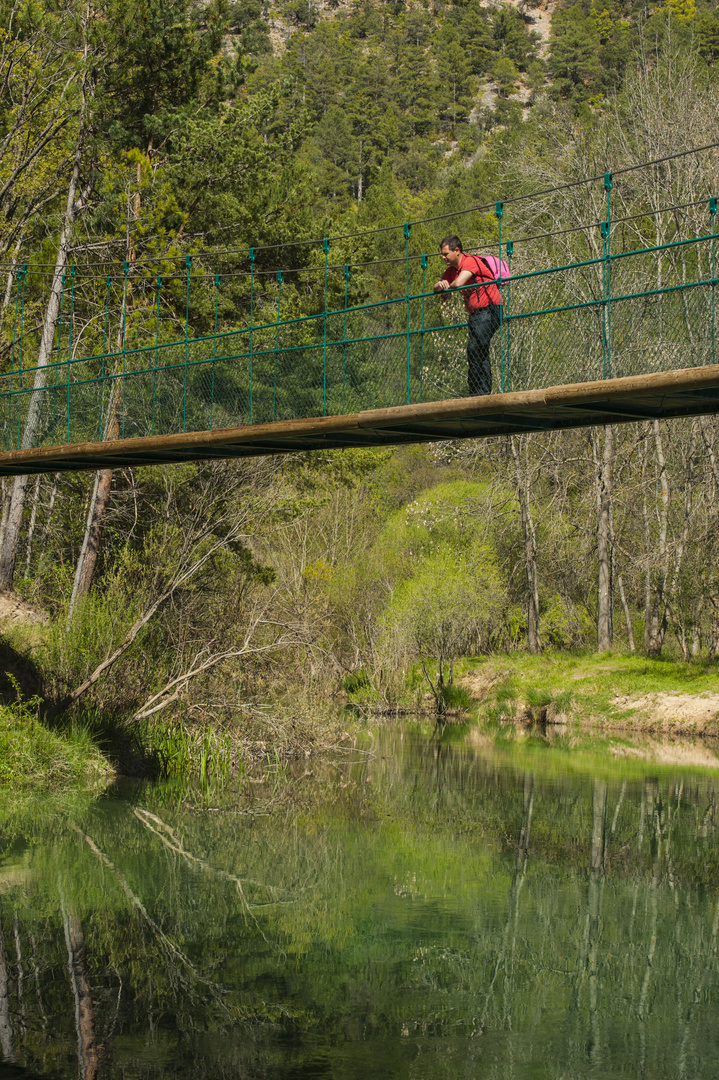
(627,334)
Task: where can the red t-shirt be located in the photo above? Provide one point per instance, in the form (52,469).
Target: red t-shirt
(485,295)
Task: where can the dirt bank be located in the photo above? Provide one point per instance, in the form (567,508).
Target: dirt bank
(609,695)
(14,611)
(676,714)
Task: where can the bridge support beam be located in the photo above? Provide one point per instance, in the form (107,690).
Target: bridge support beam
(665,394)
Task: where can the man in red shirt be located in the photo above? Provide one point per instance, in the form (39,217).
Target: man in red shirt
(483,306)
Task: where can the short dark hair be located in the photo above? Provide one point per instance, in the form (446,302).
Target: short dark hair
(452,242)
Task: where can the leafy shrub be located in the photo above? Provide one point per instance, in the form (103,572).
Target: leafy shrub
(355,681)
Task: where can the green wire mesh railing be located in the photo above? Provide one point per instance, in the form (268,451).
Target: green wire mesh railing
(618,314)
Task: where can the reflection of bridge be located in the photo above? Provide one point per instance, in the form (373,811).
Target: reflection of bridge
(622,337)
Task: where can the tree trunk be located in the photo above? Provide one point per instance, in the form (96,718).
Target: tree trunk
(11,537)
(50,508)
(714,628)
(627,614)
(681,546)
(620,582)
(87,562)
(90,550)
(697,627)
(605,629)
(530,553)
(5,490)
(31,527)
(655,614)
(11,276)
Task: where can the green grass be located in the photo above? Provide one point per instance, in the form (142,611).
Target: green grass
(34,757)
(456,697)
(586,684)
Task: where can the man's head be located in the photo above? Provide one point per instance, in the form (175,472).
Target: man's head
(451,251)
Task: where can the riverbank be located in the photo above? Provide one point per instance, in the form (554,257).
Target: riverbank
(603,692)
(633,696)
(32,756)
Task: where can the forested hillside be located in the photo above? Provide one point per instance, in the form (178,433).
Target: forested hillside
(145,141)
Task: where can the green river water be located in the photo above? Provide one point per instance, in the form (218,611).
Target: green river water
(434,908)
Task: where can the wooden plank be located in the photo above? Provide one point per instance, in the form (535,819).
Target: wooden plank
(463,417)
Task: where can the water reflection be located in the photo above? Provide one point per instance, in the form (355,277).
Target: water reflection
(444,912)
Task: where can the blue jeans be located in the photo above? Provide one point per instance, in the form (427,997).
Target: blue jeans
(483,325)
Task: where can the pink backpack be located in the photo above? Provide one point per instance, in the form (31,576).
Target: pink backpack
(497,267)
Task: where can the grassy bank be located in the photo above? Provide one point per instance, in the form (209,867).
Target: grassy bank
(41,756)
(34,756)
(605,691)
(601,693)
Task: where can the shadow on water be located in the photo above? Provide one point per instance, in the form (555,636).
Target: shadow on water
(436,908)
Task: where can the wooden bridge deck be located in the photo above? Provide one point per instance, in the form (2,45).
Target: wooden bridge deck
(660,395)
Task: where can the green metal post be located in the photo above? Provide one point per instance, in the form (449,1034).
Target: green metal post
(73,272)
(214,346)
(280,279)
(608,256)
(407,234)
(19,366)
(604,230)
(509,247)
(423,263)
(326,249)
(126,270)
(157,342)
(102,366)
(188,267)
(348,274)
(713,212)
(22,317)
(17,308)
(499,211)
(251,257)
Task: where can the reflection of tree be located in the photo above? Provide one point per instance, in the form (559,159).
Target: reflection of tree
(20,976)
(445,896)
(82,995)
(174,954)
(36,972)
(6,1040)
(698,993)
(507,952)
(594,913)
(650,801)
(168,837)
